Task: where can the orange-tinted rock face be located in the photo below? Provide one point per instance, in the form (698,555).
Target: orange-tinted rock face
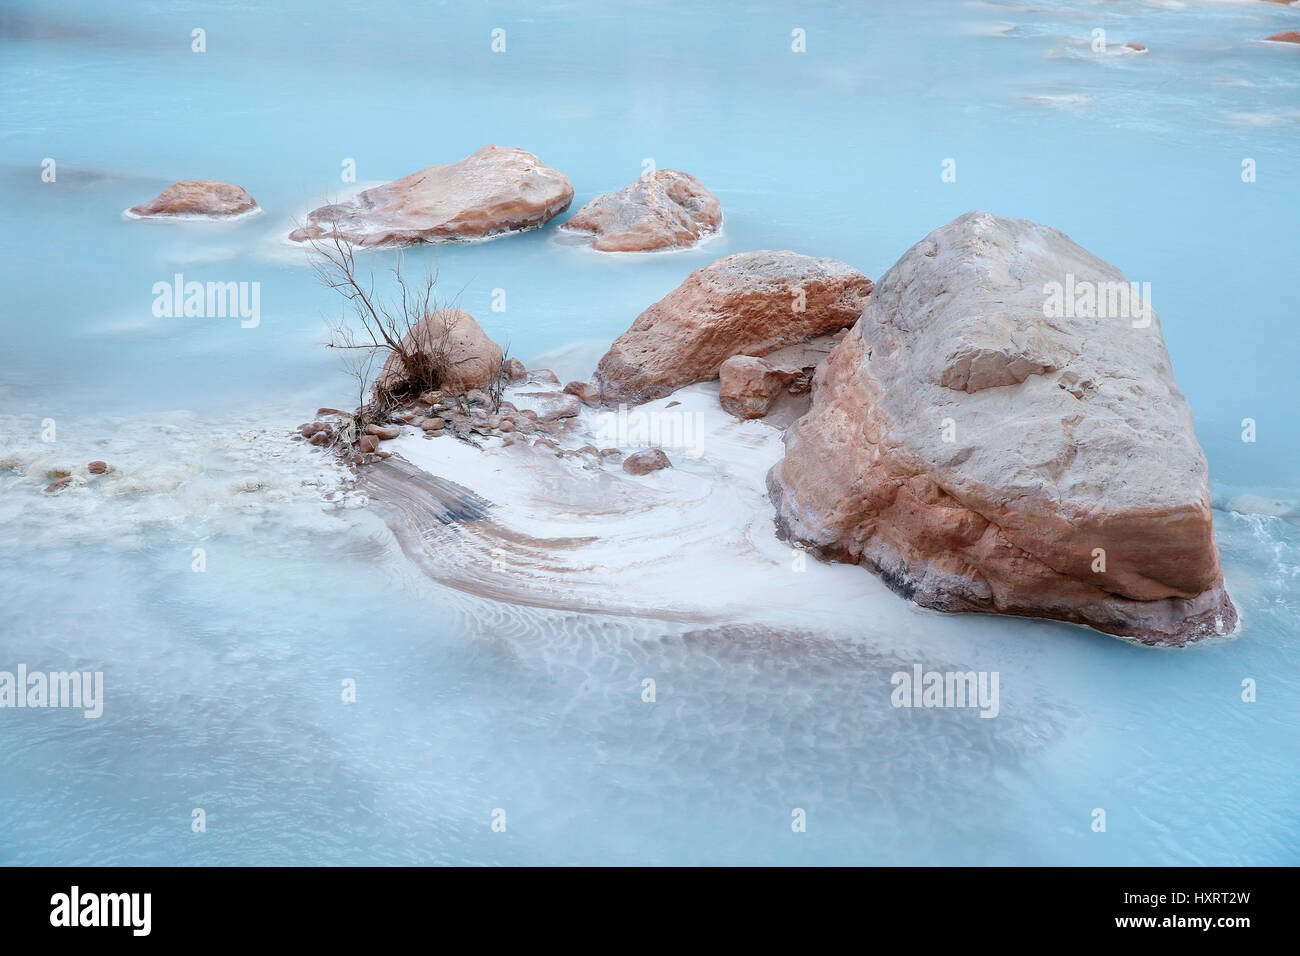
(452,343)
(982,452)
(665,210)
(748,385)
(204,197)
(752,303)
(1286,36)
(492,191)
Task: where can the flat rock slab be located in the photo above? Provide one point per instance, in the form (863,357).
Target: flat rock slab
(493,191)
(196,199)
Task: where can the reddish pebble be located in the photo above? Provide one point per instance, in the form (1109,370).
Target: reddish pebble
(585,391)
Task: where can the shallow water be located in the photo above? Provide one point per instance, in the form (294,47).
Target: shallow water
(223,688)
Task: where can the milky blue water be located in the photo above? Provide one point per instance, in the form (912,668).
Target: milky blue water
(223,687)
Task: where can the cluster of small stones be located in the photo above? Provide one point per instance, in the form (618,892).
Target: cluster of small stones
(64,479)
(470,418)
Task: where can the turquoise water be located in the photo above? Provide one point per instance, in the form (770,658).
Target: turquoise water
(223,687)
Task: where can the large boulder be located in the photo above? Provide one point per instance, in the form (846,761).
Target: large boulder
(445,350)
(194,199)
(751,303)
(666,209)
(984,448)
(492,191)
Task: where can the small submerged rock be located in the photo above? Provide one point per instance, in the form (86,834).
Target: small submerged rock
(97,467)
(194,198)
(666,209)
(549,406)
(493,191)
(1286,36)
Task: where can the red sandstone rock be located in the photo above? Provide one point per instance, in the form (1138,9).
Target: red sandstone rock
(748,385)
(450,347)
(1286,36)
(645,461)
(204,197)
(514,370)
(494,190)
(383,432)
(983,456)
(664,210)
(54,487)
(584,391)
(97,467)
(747,304)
